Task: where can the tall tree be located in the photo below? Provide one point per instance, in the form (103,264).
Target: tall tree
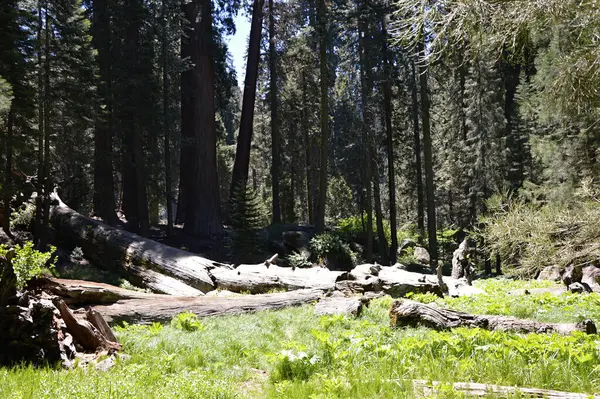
(244,140)
(199,181)
(417,151)
(322,23)
(275,146)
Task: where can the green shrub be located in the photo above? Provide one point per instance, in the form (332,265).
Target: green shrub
(22,218)
(187,321)
(329,249)
(29,263)
(293,365)
(301,259)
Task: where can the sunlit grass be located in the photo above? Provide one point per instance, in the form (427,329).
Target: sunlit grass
(294,354)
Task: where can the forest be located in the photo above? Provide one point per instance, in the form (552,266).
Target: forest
(399,198)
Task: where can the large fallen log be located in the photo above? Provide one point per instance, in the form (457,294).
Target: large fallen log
(410,313)
(158,267)
(262,278)
(163,309)
(424,388)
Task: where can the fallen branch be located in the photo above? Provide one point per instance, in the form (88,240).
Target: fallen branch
(410,313)
(424,388)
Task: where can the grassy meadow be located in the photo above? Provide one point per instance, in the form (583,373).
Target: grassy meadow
(293,354)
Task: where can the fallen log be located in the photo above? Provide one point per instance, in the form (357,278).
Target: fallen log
(410,313)
(156,266)
(424,388)
(339,305)
(262,278)
(163,309)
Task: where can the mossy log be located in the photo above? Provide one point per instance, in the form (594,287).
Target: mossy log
(410,313)
(161,268)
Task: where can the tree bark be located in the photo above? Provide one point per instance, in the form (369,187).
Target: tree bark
(8,187)
(166,119)
(409,313)
(152,310)
(200,184)
(157,266)
(239,177)
(324,118)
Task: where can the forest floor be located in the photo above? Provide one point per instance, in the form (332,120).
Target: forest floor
(294,354)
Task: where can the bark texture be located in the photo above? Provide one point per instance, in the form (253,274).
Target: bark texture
(410,313)
(158,267)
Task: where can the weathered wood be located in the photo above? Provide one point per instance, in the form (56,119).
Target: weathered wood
(153,310)
(262,278)
(424,388)
(461,265)
(410,313)
(80,293)
(134,255)
(96,319)
(84,333)
(339,305)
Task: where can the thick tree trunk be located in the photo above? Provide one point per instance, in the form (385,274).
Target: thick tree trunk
(104,187)
(259,279)
(409,313)
(308,151)
(135,198)
(166,120)
(324,117)
(239,177)
(199,181)
(159,267)
(152,310)
(417,149)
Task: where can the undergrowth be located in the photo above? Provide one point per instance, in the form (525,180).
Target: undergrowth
(293,354)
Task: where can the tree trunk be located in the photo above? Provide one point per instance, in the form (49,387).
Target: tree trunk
(45,170)
(166,120)
(38,225)
(324,119)
(104,188)
(146,262)
(308,151)
(417,148)
(409,313)
(427,152)
(387,107)
(366,84)
(162,310)
(8,187)
(275,157)
(200,183)
(239,177)
(135,198)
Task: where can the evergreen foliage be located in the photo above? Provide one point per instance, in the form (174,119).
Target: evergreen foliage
(248,219)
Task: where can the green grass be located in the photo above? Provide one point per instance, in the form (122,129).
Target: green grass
(294,354)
